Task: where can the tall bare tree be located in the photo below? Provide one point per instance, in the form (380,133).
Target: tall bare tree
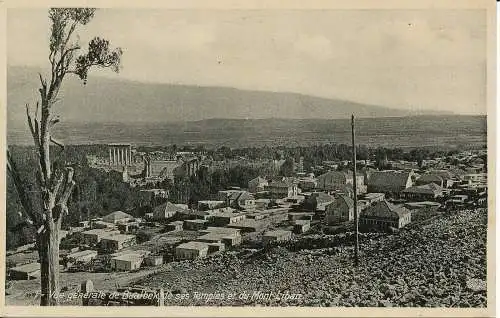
(54,183)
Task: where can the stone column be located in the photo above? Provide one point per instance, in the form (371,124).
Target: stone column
(114,155)
(109,151)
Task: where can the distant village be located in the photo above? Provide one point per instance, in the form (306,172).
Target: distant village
(270,211)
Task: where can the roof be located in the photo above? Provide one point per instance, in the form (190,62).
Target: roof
(374,195)
(430,188)
(129,257)
(347,200)
(384,178)
(196,221)
(27,268)
(385,210)
(82,253)
(321,198)
(283,183)
(277,233)
(119,237)
(168,207)
(194,246)
(221,230)
(258,180)
(115,216)
(302,222)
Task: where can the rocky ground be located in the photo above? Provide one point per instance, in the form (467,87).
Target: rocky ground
(438,264)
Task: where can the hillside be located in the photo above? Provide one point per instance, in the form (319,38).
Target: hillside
(105,100)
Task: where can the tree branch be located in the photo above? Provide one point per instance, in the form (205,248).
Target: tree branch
(58,143)
(21,190)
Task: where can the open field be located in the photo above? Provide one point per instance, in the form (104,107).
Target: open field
(404,132)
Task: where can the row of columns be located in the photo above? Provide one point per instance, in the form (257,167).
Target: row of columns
(120,154)
(192,167)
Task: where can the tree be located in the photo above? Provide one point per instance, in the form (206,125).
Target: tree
(54,179)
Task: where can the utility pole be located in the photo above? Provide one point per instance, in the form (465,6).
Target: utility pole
(354,183)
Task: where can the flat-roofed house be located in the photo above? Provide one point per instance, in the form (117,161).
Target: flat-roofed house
(195,225)
(341,210)
(117,242)
(81,256)
(424,192)
(94,236)
(191,250)
(118,217)
(127,262)
(226,218)
(276,236)
(301,226)
(25,272)
(384,215)
(389,182)
(227,236)
(175,226)
(153,260)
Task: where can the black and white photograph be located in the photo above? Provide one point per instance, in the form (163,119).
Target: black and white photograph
(260,157)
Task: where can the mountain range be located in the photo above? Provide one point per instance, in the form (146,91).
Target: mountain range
(112,100)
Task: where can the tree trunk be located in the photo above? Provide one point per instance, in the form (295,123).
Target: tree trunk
(48,251)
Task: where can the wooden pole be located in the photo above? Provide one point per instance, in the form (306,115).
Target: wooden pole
(354,184)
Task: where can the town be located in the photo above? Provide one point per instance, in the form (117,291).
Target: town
(287,206)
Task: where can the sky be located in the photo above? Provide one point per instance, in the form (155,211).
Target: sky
(407,59)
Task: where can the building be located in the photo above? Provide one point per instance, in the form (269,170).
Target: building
(238,199)
(307,183)
(224,235)
(341,210)
(130,227)
(92,237)
(216,247)
(276,236)
(210,204)
(153,260)
(384,215)
(191,250)
(226,218)
(431,178)
(117,242)
(195,225)
(118,217)
(166,211)
(25,272)
(389,182)
(127,262)
(337,181)
(294,216)
(282,188)
(81,256)
(317,201)
(175,226)
(424,192)
(301,226)
(257,185)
